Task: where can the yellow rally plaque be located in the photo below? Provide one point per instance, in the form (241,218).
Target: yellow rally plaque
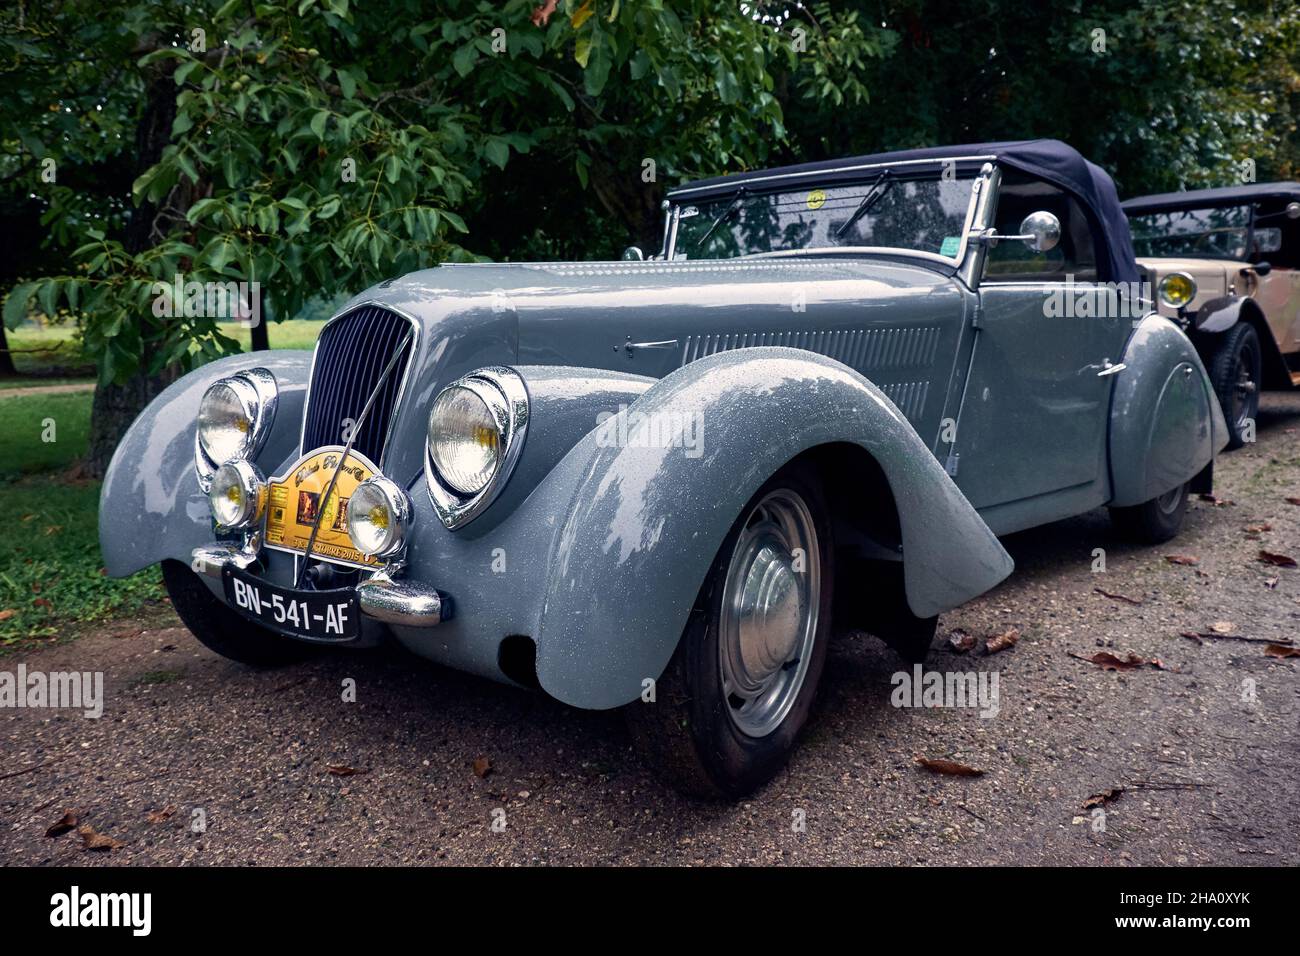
(294,501)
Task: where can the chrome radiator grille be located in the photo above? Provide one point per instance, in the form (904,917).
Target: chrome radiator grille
(351,354)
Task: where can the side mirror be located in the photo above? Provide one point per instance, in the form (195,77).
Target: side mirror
(1293,210)
(1040,231)
(1262,268)
(633,254)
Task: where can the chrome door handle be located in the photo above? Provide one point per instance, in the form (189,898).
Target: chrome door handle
(1108,369)
(631,346)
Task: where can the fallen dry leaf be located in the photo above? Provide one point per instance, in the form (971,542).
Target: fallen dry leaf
(1119,597)
(1278,560)
(92,840)
(65,823)
(482,767)
(1103,798)
(1222,627)
(948,767)
(1293,501)
(42,602)
(1281,651)
(1182,559)
(340,771)
(1256,529)
(1216,500)
(160,816)
(1000,642)
(1271,583)
(1109,662)
(961,641)
(7,613)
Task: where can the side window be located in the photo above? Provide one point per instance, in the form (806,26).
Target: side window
(1074,255)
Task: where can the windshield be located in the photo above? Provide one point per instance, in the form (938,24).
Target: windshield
(1219,233)
(884,209)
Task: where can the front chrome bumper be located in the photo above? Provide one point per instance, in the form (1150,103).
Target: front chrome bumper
(405,603)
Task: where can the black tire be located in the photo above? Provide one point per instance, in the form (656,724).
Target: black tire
(1154,521)
(688,733)
(1235,371)
(220,629)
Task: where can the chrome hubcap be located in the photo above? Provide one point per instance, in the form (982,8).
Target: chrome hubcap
(769,612)
(1168,502)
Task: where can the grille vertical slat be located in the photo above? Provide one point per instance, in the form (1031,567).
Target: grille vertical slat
(351,355)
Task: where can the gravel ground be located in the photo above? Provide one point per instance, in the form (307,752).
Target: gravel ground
(1209,775)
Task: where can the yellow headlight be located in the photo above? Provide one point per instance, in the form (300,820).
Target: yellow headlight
(1177,289)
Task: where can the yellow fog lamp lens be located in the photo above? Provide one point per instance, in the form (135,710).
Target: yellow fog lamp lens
(1177,289)
(379,514)
(238,495)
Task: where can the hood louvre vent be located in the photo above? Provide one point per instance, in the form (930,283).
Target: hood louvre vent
(351,354)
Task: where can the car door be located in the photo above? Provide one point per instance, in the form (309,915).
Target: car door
(1050,337)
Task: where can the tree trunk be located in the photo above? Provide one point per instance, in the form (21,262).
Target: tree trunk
(7,369)
(260,340)
(115,406)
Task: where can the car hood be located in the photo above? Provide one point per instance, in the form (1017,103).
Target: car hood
(586,314)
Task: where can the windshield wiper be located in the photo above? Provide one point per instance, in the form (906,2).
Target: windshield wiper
(877,192)
(731,207)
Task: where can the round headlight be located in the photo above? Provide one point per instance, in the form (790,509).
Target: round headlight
(1177,289)
(226,416)
(378,514)
(238,494)
(465,439)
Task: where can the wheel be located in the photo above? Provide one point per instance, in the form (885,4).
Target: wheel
(220,629)
(1235,371)
(740,685)
(1154,521)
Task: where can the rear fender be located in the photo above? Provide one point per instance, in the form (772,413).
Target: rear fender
(1165,423)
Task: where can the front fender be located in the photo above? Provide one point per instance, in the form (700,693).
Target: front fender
(151,506)
(643,524)
(1165,422)
(1219,315)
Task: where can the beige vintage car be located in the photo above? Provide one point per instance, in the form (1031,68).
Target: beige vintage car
(1225,263)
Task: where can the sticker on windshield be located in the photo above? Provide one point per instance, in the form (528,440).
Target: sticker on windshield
(950,246)
(817,199)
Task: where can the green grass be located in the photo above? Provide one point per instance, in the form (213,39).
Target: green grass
(51,570)
(28,422)
(53,353)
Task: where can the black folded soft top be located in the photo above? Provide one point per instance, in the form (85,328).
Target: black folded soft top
(1047,159)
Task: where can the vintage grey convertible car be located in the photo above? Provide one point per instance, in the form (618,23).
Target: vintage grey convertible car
(1225,264)
(656,484)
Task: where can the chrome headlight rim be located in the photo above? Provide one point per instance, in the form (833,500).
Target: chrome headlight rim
(243,474)
(1162,287)
(258,391)
(502,389)
(400,513)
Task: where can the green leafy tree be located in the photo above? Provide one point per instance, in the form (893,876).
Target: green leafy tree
(316,146)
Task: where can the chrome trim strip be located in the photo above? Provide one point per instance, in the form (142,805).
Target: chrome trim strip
(842,250)
(672,194)
(511,413)
(401,389)
(210,559)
